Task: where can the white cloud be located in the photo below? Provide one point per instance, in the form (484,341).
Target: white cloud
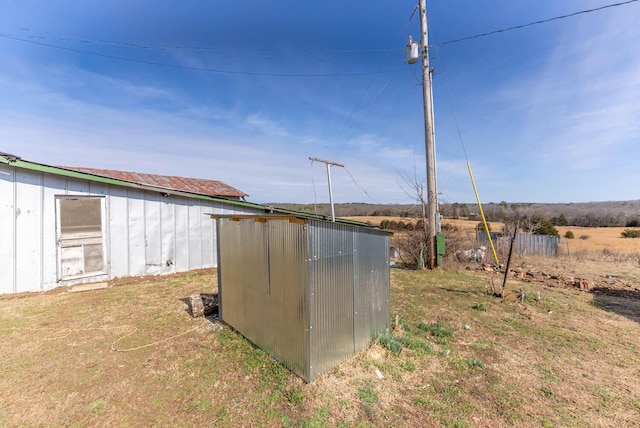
(264,125)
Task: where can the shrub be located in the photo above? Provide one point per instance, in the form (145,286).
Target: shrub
(569,234)
(480,226)
(633,222)
(395,225)
(630,233)
(584,237)
(545,228)
(559,221)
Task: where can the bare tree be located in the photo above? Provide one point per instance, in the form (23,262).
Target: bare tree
(413,241)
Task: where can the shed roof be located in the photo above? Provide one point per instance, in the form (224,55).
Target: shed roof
(82,173)
(170,182)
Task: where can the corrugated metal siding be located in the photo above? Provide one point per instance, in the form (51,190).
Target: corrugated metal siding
(372,287)
(350,281)
(331,248)
(525,244)
(254,281)
(541,245)
(262,284)
(326,294)
(288,315)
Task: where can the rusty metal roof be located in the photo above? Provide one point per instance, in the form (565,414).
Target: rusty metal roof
(169,182)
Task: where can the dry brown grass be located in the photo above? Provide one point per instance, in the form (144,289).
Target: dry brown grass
(571,358)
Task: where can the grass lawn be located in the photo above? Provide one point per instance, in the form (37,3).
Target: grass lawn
(130,355)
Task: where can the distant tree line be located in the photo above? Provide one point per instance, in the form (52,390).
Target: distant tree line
(356,209)
(401,225)
(593,214)
(589,214)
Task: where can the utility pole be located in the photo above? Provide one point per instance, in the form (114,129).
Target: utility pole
(429,138)
(429,133)
(329,163)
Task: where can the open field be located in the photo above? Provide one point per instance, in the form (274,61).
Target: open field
(130,355)
(585,238)
(598,254)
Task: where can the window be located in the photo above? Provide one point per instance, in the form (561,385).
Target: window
(80,236)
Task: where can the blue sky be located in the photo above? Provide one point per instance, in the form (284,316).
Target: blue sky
(245,92)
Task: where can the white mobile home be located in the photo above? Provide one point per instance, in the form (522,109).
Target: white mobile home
(64,225)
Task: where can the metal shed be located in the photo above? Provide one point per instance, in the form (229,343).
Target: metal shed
(310,292)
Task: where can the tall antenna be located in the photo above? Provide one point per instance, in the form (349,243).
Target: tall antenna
(329,164)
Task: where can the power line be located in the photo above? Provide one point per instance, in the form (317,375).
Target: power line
(357,105)
(359,186)
(455,118)
(65,38)
(542,21)
(205,69)
(235,50)
(375,102)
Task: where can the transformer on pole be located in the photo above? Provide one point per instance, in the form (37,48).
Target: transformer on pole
(429,132)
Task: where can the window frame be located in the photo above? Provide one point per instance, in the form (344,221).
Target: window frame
(82,239)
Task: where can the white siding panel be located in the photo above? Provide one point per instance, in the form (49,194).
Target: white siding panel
(195,235)
(98,188)
(52,186)
(7,223)
(153,229)
(168,234)
(55,184)
(182,234)
(136,233)
(28,231)
(118,232)
(208,244)
(77,187)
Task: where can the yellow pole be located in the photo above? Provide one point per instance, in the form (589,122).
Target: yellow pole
(484,221)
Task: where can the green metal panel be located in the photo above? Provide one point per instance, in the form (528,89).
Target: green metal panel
(440,243)
(440,248)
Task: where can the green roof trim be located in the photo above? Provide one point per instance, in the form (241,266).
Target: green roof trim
(16,161)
